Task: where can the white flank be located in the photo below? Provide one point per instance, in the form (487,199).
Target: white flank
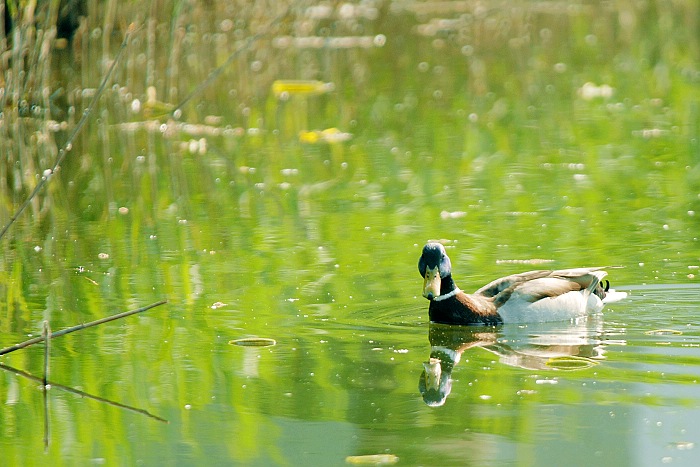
(560,308)
(613,296)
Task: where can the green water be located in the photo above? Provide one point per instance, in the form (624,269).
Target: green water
(468,124)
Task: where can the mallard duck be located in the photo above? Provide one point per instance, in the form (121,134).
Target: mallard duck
(534,296)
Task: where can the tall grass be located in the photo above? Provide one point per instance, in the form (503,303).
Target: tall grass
(447,79)
(47,81)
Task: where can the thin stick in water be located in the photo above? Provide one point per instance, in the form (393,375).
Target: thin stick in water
(79,327)
(46,334)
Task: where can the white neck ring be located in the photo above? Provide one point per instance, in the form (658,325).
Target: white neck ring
(440,298)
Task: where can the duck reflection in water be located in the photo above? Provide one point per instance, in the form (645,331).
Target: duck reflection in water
(534,347)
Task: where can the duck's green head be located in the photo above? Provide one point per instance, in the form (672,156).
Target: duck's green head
(434,265)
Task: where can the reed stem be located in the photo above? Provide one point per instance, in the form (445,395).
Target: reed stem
(79,327)
(46,335)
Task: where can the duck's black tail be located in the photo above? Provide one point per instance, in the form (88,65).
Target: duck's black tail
(602,289)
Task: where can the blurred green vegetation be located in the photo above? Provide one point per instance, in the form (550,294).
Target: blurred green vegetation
(529,130)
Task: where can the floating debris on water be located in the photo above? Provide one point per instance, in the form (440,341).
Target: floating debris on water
(435,8)
(649,133)
(591,91)
(285,88)
(213,120)
(571,362)
(310,137)
(438,26)
(682,445)
(663,332)
(254,342)
(521,213)
(329,135)
(194,146)
(452,214)
(172,128)
(372,459)
(153,106)
(288,172)
(319,42)
(54,126)
(346,11)
(524,261)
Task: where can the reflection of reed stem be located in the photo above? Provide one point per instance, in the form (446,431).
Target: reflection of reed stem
(46,419)
(80,393)
(46,334)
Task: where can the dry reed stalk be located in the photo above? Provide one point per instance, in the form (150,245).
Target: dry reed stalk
(79,327)
(46,335)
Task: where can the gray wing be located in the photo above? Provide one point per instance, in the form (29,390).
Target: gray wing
(499,285)
(535,285)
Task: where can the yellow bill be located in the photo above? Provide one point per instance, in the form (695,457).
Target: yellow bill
(431,283)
